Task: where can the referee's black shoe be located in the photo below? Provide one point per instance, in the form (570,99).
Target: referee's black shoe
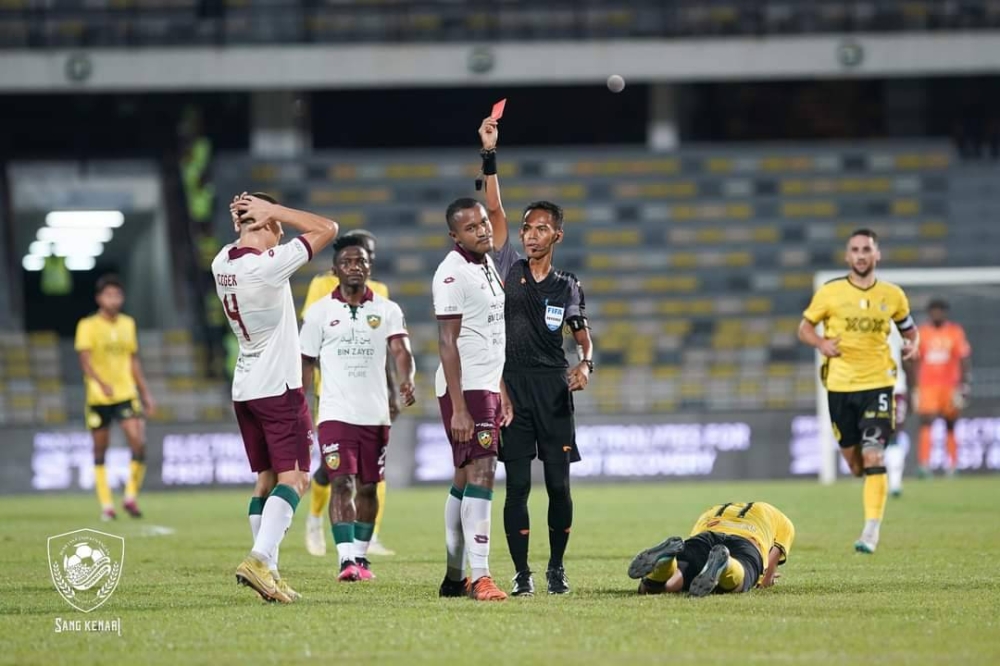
(558,583)
(524,584)
(454,588)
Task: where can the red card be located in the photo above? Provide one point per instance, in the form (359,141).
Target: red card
(497,112)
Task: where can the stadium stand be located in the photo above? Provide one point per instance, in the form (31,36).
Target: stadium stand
(125,23)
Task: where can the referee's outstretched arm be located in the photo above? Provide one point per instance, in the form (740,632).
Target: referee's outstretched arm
(488,134)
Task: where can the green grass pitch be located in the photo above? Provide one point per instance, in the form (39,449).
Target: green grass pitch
(931,595)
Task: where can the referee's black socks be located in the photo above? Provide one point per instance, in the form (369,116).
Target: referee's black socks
(515,511)
(560,510)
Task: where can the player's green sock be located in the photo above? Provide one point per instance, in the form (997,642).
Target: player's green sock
(362,538)
(343,536)
(732,576)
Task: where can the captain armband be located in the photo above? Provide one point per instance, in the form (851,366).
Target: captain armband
(577,323)
(906,324)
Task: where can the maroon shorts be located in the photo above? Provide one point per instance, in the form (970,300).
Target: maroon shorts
(352,449)
(484,406)
(277,431)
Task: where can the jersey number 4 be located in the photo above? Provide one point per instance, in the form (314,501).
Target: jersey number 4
(233,312)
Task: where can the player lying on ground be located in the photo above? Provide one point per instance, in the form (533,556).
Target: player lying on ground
(732,548)
(109,356)
(856,312)
(321,287)
(541,301)
(469,305)
(251,278)
(348,334)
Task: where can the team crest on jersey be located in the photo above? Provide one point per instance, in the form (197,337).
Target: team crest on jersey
(374,321)
(554,317)
(334,323)
(485,438)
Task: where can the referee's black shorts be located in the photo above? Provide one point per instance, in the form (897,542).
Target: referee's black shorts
(543,425)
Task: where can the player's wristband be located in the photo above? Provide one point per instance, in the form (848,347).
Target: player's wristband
(590,364)
(489,162)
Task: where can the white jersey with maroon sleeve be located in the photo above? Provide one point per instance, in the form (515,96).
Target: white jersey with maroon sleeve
(350,343)
(257,297)
(473,291)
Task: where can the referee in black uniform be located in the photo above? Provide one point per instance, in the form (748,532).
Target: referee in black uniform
(540,302)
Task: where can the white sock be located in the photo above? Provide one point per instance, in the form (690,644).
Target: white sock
(476,527)
(314,522)
(279,509)
(871,531)
(360,548)
(895,461)
(345,551)
(255,525)
(454,538)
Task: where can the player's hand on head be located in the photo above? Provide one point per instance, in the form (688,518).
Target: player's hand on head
(462,426)
(233,212)
(489,132)
(261,212)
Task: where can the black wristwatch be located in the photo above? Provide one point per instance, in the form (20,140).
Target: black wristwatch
(590,364)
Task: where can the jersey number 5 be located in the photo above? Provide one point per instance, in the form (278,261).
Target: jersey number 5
(233,312)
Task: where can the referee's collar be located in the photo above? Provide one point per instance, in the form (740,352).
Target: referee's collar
(337,296)
(469,257)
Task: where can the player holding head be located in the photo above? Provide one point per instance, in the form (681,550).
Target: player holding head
(251,278)
(108,347)
(732,548)
(469,305)
(857,312)
(540,302)
(320,288)
(347,333)
(943,373)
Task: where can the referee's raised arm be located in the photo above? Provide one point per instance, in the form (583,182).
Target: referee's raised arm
(489,133)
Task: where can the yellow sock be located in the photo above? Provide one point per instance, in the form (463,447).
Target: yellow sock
(732,577)
(380,491)
(320,499)
(663,571)
(875,493)
(102,487)
(137,472)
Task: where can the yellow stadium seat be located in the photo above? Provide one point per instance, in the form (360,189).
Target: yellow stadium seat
(796,281)
(809,209)
(766,234)
(615,308)
(719,165)
(666,372)
(402,171)
(933,229)
(264,173)
(905,207)
(614,237)
(758,305)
